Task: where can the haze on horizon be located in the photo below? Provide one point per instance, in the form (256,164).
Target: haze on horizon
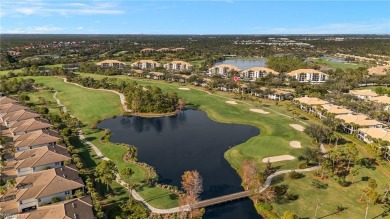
(194,17)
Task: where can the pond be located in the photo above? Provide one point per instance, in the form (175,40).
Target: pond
(243,64)
(189,141)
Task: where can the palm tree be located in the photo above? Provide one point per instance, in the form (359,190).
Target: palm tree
(126,174)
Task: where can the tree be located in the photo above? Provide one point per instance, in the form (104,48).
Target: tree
(126,174)
(192,183)
(133,210)
(182,103)
(386,187)
(248,172)
(43,110)
(319,132)
(106,172)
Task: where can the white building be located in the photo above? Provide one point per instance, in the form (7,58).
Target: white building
(178,66)
(223,69)
(309,76)
(145,64)
(257,72)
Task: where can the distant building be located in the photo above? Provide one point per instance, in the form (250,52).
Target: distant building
(164,50)
(178,66)
(148,50)
(111,64)
(350,122)
(145,64)
(257,72)
(178,49)
(363,94)
(223,69)
(309,75)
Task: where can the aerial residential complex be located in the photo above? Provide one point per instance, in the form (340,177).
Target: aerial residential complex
(45,181)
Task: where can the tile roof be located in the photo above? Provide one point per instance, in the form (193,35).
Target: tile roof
(19,115)
(381,99)
(334,109)
(366,92)
(231,67)
(311,100)
(261,69)
(47,182)
(110,61)
(179,62)
(5,100)
(377,133)
(10,107)
(361,120)
(40,156)
(29,125)
(307,70)
(34,138)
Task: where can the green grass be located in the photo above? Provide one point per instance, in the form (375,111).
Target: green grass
(335,195)
(51,103)
(87,105)
(336,65)
(159,198)
(5,72)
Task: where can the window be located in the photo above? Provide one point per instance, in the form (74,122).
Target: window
(57,163)
(302,77)
(67,192)
(39,200)
(315,77)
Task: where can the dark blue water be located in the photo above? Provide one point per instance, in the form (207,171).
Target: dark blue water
(189,141)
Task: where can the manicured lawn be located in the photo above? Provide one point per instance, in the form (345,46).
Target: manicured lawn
(336,65)
(51,104)
(330,198)
(159,198)
(87,105)
(5,72)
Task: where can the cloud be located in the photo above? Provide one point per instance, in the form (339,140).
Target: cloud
(33,30)
(47,8)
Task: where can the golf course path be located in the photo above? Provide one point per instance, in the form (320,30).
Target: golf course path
(121,96)
(118,178)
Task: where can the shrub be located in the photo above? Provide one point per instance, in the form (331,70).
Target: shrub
(344,183)
(302,165)
(55,200)
(319,185)
(294,175)
(291,196)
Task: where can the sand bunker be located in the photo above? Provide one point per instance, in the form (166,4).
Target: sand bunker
(298,127)
(259,111)
(183,88)
(231,102)
(278,158)
(295,144)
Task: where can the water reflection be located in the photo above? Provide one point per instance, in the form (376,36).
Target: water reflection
(189,141)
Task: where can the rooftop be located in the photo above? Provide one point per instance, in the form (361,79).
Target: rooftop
(365,92)
(311,101)
(261,69)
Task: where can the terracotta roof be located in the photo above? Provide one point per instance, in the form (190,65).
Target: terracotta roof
(156,73)
(147,61)
(79,208)
(163,49)
(29,125)
(9,207)
(311,100)
(231,67)
(10,107)
(40,156)
(381,99)
(361,120)
(281,92)
(378,133)
(309,70)
(147,50)
(19,115)
(261,69)
(366,92)
(179,48)
(47,182)
(110,61)
(5,100)
(183,76)
(179,62)
(334,109)
(34,138)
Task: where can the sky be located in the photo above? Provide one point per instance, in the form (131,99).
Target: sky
(194,17)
